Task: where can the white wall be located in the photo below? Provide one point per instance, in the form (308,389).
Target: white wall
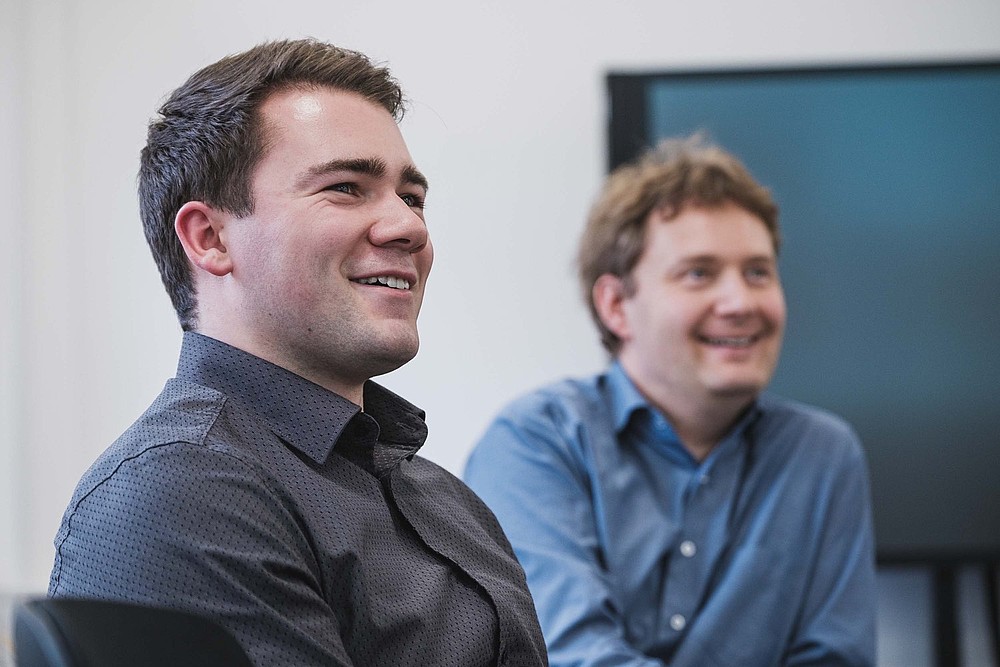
(506,119)
(10,321)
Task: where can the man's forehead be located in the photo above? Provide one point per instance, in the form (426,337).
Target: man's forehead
(335,130)
(703,232)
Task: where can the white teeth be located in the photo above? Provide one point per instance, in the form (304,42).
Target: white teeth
(388,281)
(731,341)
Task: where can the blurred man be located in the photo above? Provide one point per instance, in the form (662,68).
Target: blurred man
(272,486)
(666,511)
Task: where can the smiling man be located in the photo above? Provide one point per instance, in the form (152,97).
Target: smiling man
(272,486)
(667,511)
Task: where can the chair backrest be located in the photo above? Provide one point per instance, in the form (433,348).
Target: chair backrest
(99,633)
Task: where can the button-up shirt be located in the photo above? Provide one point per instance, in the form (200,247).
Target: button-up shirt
(638,554)
(308,528)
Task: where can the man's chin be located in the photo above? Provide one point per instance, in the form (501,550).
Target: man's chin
(391,356)
(737,388)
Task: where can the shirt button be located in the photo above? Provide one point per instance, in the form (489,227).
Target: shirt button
(677,622)
(704,480)
(688,548)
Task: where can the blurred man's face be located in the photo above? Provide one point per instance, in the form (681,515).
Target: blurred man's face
(707,315)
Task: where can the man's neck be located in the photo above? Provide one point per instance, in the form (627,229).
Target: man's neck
(700,420)
(352,391)
(701,428)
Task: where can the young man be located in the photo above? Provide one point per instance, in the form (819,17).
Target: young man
(272,486)
(665,511)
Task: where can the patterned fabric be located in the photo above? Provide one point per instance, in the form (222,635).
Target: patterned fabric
(307,527)
(637,554)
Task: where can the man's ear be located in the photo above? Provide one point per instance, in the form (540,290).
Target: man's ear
(609,294)
(200,230)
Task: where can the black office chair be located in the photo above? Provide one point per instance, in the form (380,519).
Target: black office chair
(98,633)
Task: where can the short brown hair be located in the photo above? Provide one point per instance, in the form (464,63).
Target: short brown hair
(208,138)
(675,174)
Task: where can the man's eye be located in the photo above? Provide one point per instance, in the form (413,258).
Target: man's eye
(346,188)
(412,200)
(697,273)
(759,274)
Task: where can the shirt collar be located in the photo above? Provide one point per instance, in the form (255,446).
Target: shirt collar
(625,397)
(627,402)
(302,413)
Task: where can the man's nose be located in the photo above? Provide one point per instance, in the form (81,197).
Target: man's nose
(735,295)
(398,225)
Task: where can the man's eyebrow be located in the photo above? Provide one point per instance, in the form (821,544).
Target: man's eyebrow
(413,176)
(369,166)
(704,258)
(711,258)
(769,258)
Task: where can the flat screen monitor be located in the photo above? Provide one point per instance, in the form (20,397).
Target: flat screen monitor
(888,180)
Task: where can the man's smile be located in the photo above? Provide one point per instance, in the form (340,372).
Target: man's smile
(394,282)
(730,341)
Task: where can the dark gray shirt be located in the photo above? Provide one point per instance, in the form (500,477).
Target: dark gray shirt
(307,527)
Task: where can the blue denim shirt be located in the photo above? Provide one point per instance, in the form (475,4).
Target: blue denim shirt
(638,554)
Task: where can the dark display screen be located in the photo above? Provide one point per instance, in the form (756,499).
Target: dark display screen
(888,179)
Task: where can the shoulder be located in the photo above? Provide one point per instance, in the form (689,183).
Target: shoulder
(783,411)
(561,404)
(184,411)
(806,432)
(554,415)
(183,437)
(177,474)
(552,430)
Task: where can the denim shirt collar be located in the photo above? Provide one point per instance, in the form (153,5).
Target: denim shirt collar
(631,410)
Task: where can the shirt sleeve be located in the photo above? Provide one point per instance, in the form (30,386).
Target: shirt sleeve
(183,526)
(838,618)
(531,476)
